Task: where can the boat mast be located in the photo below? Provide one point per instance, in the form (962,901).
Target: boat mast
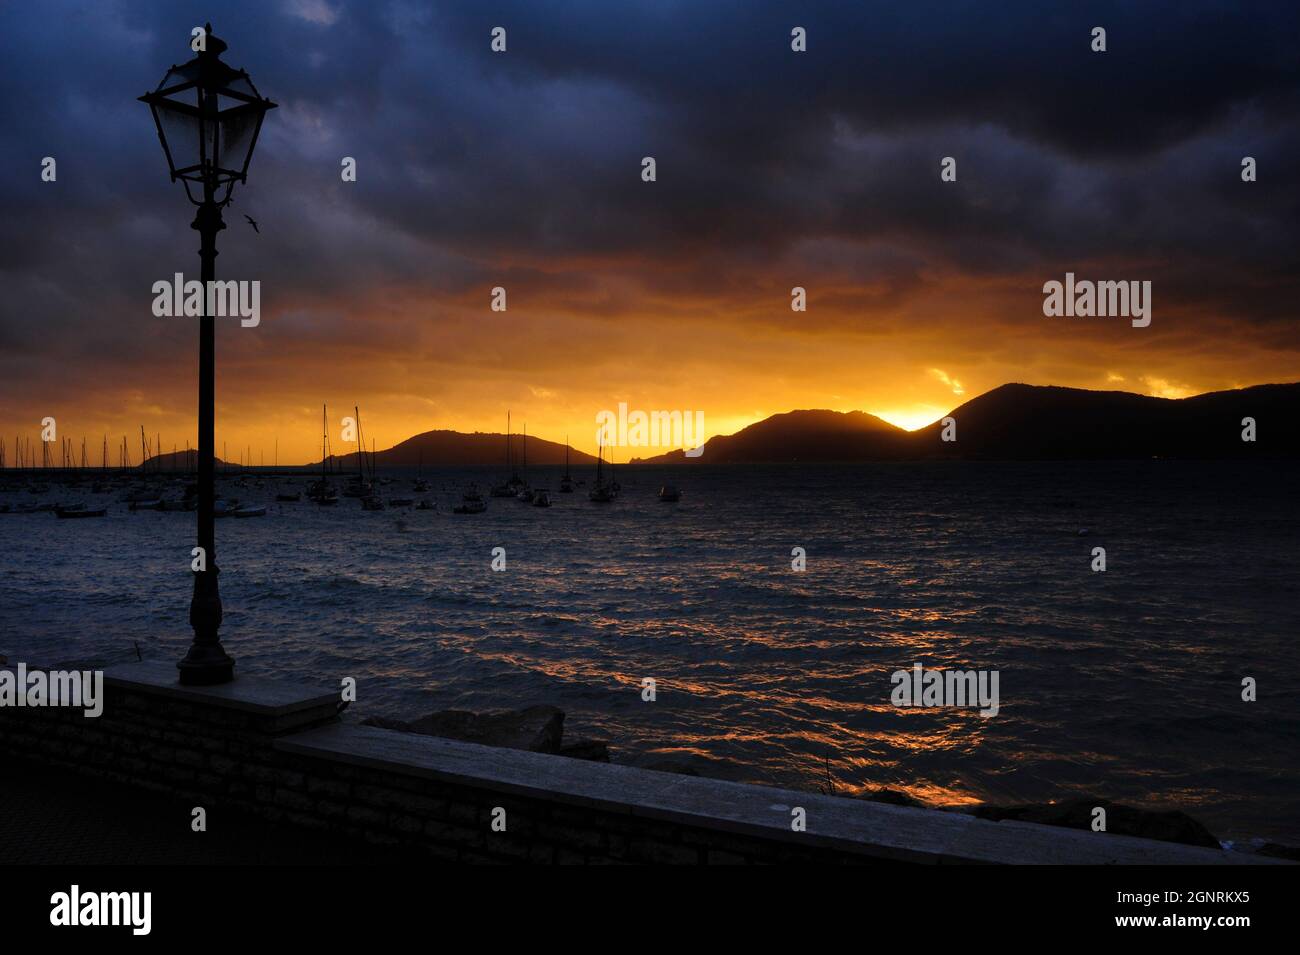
(510,464)
(361,470)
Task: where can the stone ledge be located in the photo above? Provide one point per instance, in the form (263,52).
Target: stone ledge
(251,694)
(854,826)
(262,697)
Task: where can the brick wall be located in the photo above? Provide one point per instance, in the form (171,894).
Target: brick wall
(220,757)
(280,752)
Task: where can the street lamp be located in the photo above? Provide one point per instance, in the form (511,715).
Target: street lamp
(208,117)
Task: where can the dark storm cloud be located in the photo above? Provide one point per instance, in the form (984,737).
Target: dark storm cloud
(474,166)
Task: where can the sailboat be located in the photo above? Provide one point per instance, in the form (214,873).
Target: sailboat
(510,487)
(601,493)
(525,492)
(421,485)
(359,486)
(566,482)
(322,491)
(79,510)
(471,502)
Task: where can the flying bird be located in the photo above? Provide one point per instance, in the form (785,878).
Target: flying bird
(253,223)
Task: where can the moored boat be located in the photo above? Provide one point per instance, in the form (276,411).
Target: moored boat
(358,487)
(512,485)
(601,492)
(79,510)
(471,502)
(321,490)
(566,482)
(325,495)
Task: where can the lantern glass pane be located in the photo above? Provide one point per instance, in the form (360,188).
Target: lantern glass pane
(185,73)
(241,84)
(237,127)
(181,130)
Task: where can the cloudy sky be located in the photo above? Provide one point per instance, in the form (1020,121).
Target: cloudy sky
(522,169)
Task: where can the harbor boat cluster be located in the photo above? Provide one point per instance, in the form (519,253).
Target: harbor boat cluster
(73,493)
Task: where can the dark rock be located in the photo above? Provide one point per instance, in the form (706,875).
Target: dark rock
(1167,826)
(893,797)
(685,763)
(539,729)
(1279,851)
(594,750)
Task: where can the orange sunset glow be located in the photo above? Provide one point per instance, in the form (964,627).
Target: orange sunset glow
(555,365)
(667,295)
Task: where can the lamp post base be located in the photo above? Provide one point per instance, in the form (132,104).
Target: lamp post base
(207,662)
(206,666)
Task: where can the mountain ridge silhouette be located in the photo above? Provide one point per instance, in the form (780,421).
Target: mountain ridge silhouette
(1015,421)
(444,447)
(1018,421)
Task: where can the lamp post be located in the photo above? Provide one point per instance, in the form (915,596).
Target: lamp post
(208,117)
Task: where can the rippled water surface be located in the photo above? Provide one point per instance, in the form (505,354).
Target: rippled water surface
(1123,684)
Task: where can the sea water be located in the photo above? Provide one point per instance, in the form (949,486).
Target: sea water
(1123,685)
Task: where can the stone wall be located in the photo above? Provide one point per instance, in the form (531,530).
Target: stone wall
(282,753)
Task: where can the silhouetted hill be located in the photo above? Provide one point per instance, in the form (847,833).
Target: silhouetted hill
(436,449)
(802,436)
(180,461)
(1029,422)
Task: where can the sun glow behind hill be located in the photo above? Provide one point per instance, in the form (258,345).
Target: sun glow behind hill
(911,419)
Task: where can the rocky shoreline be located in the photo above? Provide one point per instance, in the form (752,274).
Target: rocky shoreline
(540,729)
